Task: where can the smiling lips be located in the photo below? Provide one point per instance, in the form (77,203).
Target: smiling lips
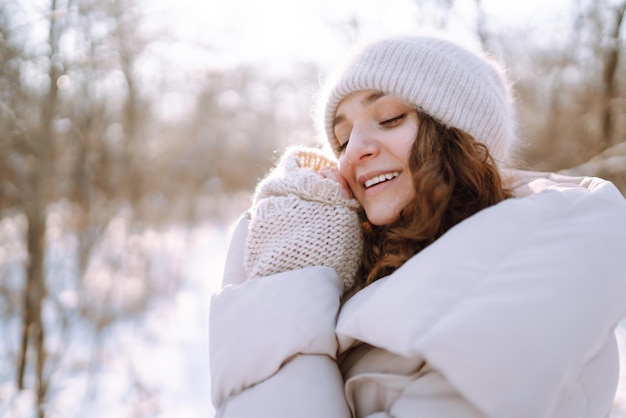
(381,178)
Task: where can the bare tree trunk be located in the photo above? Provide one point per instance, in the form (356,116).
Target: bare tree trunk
(33,332)
(33,292)
(609,77)
(481,26)
(131,124)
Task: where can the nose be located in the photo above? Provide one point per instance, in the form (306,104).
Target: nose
(361,145)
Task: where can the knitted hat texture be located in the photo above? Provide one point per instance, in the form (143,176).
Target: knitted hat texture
(455,86)
(301,219)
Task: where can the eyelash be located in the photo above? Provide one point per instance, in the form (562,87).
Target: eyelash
(385,123)
(392,120)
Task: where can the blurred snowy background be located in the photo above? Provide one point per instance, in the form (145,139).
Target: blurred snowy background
(133,131)
(116,348)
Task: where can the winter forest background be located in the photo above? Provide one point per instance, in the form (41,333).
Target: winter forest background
(133,131)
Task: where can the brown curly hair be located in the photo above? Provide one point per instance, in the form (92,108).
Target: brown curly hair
(454,177)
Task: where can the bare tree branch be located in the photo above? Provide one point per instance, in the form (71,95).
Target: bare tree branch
(611,161)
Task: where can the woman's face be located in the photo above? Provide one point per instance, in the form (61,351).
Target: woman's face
(376,133)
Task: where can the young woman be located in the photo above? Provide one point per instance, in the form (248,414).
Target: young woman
(481,291)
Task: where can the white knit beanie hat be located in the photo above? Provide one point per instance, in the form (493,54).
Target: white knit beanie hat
(455,86)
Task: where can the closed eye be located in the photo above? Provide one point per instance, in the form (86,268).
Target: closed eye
(393,121)
(342,146)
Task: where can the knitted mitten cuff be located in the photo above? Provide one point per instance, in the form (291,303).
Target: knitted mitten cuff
(297,173)
(301,219)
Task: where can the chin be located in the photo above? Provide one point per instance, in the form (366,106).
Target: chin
(382,219)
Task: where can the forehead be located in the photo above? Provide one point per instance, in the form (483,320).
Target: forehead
(362,99)
(365,97)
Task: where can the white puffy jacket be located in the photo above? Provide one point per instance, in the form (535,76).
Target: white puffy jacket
(511,314)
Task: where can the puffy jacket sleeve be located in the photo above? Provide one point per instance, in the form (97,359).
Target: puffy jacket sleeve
(272,342)
(512,305)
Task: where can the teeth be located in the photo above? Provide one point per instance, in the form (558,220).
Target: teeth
(379,179)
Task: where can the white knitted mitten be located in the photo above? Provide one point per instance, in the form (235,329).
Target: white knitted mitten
(301,219)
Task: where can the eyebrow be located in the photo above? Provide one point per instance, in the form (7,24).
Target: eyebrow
(368,100)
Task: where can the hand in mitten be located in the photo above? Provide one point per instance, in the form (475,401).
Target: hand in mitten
(299,219)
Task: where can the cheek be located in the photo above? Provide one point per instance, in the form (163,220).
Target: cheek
(410,136)
(406,137)
(345,168)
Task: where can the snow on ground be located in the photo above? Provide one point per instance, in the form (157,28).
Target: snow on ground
(151,365)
